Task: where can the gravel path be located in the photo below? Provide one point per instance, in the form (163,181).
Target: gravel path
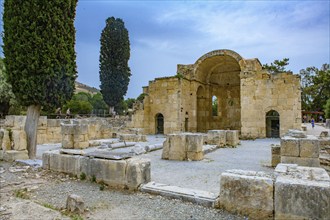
(51,189)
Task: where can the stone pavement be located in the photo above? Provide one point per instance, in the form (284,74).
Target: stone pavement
(205,175)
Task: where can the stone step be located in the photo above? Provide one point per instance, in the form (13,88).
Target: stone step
(199,197)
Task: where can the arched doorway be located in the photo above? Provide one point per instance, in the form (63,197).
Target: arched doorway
(272,124)
(159,124)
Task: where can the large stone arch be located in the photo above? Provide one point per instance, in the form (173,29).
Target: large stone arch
(219,72)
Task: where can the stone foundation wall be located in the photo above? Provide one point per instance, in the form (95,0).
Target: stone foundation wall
(294,192)
(128,174)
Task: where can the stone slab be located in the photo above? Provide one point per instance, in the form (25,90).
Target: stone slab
(195,196)
(109,155)
(301,193)
(248,193)
(301,161)
(12,155)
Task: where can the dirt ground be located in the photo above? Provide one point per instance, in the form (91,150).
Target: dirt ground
(34,193)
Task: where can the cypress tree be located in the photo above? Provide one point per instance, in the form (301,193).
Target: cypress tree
(39,38)
(114,55)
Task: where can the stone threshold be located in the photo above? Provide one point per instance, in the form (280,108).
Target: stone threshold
(199,197)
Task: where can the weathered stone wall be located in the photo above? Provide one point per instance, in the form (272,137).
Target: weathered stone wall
(262,92)
(13,144)
(245,94)
(49,130)
(130,173)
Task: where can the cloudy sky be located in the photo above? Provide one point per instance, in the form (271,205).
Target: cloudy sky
(166,33)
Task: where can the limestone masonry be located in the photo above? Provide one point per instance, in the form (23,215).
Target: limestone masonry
(248,99)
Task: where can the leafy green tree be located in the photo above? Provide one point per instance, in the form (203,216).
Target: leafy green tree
(141,97)
(130,102)
(327,109)
(80,107)
(278,66)
(40,59)
(6,95)
(315,86)
(82,96)
(114,55)
(99,106)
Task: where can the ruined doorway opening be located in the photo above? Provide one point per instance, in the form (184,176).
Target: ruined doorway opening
(272,124)
(159,124)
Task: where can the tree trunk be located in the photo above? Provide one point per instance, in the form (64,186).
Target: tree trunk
(31,127)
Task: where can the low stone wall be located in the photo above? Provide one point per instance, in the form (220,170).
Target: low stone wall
(223,138)
(301,192)
(128,174)
(184,146)
(293,193)
(13,143)
(301,151)
(133,137)
(248,193)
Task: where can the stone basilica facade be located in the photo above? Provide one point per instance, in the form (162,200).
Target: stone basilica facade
(221,91)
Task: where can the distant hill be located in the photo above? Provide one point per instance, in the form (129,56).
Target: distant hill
(85,88)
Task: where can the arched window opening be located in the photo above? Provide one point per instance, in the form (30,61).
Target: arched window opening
(215,105)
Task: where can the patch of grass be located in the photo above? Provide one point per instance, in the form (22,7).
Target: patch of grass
(82,176)
(76,217)
(93,179)
(49,206)
(102,185)
(22,193)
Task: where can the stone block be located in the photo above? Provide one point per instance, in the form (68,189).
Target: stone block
(19,122)
(67,129)
(64,163)
(6,143)
(248,193)
(2,133)
(194,142)
(75,204)
(138,172)
(276,149)
(19,140)
(301,161)
(177,147)
(67,141)
(133,137)
(232,138)
(276,159)
(42,123)
(12,155)
(309,147)
(290,146)
(302,194)
(53,123)
(45,160)
(324,142)
(166,149)
(216,137)
(81,145)
(111,172)
(9,122)
(195,156)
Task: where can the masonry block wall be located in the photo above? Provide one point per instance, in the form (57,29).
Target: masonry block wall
(245,94)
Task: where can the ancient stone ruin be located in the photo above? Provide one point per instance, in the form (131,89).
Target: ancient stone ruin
(247,98)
